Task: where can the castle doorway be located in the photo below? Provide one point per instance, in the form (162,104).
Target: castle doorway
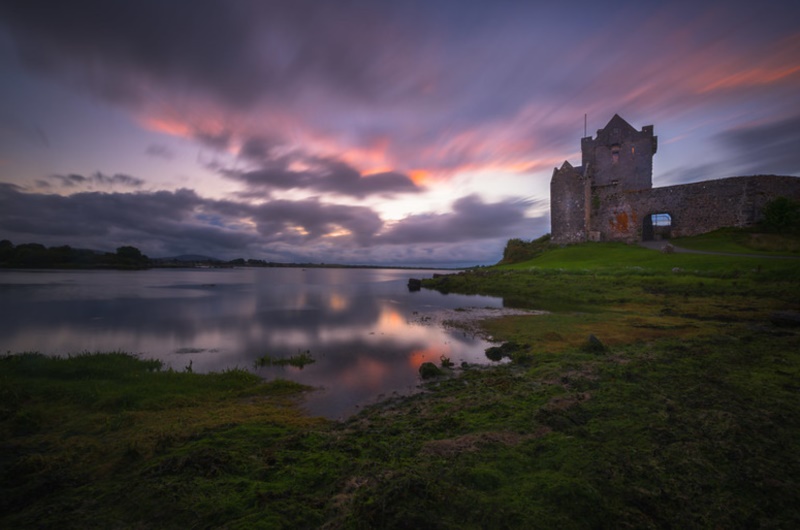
(656,226)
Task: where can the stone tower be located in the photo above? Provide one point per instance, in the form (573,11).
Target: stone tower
(620,156)
(619,159)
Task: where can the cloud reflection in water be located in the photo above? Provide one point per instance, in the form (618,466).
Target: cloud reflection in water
(358,324)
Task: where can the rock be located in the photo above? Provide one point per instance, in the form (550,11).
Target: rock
(414,284)
(507,349)
(785,318)
(495,353)
(668,249)
(594,345)
(428,370)
(677,269)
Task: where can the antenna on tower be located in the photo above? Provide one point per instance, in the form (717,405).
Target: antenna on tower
(584,125)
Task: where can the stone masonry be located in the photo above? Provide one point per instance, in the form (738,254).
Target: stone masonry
(610,197)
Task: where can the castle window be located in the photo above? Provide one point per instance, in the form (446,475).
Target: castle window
(615,154)
(661,219)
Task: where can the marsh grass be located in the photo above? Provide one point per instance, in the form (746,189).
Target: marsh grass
(688,419)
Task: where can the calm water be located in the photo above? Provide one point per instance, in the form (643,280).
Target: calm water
(361,325)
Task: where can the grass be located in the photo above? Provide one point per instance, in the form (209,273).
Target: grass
(300,360)
(109,434)
(687,418)
(742,241)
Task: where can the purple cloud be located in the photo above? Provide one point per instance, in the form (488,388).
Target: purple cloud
(321,175)
(96,179)
(160,151)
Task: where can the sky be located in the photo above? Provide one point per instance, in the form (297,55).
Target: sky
(409,132)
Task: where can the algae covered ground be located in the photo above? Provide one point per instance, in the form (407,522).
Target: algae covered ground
(684,413)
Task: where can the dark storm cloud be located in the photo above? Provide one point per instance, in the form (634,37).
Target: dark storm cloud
(96,179)
(766,148)
(322,175)
(471,219)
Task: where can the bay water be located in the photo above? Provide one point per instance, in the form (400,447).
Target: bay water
(366,332)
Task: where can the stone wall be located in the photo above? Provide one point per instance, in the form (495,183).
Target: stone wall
(568,215)
(694,208)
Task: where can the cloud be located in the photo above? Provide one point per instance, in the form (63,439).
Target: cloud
(445,87)
(160,151)
(182,222)
(770,148)
(74,181)
(689,173)
(237,53)
(298,222)
(319,175)
(471,220)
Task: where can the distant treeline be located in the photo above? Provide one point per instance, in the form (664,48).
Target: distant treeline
(37,256)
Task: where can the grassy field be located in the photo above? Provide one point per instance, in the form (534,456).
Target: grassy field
(742,241)
(684,414)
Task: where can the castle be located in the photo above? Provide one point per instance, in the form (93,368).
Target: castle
(610,196)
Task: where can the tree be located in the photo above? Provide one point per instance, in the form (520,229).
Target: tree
(781,216)
(130,253)
(6,250)
(129,257)
(518,250)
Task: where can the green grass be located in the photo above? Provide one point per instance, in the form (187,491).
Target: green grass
(121,439)
(742,241)
(622,259)
(688,418)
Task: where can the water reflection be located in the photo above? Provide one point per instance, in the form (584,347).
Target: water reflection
(359,324)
